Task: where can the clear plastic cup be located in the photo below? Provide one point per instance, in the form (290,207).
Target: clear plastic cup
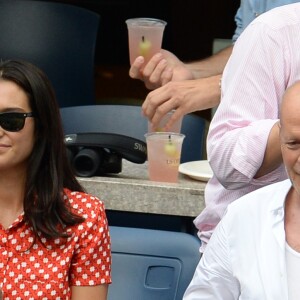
(145,37)
(176,127)
(164,152)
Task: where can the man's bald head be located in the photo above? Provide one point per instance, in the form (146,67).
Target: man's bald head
(290,107)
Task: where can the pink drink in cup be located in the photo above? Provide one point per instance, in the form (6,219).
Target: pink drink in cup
(164,151)
(144,37)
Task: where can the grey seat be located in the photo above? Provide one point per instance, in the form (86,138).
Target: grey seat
(128,120)
(59,38)
(151,264)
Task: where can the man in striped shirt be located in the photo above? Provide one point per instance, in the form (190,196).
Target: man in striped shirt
(243,141)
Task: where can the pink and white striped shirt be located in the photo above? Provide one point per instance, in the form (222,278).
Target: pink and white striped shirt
(265,61)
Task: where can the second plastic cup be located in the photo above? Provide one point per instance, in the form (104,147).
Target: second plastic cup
(145,37)
(176,127)
(164,151)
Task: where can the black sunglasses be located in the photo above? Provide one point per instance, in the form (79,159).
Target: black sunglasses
(13,121)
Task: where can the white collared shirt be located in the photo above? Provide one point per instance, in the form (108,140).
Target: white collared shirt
(245,258)
(293,272)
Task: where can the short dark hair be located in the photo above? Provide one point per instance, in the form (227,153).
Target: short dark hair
(48,170)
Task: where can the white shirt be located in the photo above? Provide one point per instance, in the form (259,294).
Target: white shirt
(265,61)
(245,258)
(293,272)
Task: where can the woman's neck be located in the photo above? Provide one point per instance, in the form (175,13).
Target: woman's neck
(12,191)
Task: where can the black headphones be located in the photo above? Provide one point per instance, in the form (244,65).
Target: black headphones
(96,154)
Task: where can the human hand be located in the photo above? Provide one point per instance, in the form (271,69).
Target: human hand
(162,68)
(184,96)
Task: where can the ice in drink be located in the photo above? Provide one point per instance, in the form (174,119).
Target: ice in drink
(144,37)
(164,152)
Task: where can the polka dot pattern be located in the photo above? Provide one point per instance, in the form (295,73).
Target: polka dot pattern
(46,269)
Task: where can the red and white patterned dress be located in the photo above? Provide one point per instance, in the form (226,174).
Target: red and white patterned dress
(48,269)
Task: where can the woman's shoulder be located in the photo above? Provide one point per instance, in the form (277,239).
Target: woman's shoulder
(83,204)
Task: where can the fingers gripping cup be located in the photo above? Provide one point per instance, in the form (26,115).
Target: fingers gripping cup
(164,151)
(144,37)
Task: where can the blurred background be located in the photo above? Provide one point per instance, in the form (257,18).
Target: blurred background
(193,26)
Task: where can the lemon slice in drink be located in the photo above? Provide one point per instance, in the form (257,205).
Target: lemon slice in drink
(170,149)
(144,46)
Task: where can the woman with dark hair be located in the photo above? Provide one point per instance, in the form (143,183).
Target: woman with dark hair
(54,238)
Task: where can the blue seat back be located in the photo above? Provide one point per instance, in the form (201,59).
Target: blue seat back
(119,119)
(59,38)
(151,264)
(193,127)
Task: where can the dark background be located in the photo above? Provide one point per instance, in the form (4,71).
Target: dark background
(192,27)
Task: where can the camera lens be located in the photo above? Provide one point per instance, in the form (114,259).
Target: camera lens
(86,162)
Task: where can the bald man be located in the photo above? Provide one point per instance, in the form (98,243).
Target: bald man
(254,253)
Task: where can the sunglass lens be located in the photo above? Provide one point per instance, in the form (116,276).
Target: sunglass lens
(11,122)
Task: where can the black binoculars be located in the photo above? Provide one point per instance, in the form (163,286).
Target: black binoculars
(97,154)
(87,162)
